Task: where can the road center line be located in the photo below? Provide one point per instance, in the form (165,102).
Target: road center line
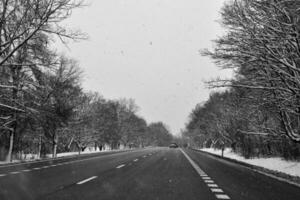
(120,166)
(86,180)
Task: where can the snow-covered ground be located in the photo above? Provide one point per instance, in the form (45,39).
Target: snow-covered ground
(32,157)
(275,163)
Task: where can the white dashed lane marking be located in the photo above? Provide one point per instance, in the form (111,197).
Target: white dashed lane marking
(210,183)
(15,172)
(120,166)
(222,196)
(54,165)
(36,168)
(86,180)
(216,190)
(135,160)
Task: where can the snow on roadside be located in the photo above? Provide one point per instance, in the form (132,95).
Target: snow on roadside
(275,163)
(87,151)
(33,157)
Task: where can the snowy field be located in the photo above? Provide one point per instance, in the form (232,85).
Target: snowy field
(276,164)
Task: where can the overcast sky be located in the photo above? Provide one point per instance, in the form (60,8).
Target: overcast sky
(148,50)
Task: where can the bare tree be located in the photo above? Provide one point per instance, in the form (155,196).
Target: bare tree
(262,46)
(22,21)
(59,98)
(26,28)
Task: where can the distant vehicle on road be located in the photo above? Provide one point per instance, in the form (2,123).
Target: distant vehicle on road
(173,145)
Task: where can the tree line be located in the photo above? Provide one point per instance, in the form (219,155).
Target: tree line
(43,108)
(259,113)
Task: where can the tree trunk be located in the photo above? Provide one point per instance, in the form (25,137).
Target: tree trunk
(40,147)
(55,139)
(14,128)
(11,145)
(95,146)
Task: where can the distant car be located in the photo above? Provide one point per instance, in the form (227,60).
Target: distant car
(173,145)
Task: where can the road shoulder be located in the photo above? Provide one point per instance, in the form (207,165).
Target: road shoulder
(293,180)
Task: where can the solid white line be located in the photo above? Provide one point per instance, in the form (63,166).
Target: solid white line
(196,167)
(222,196)
(120,166)
(135,160)
(86,180)
(216,190)
(201,172)
(212,185)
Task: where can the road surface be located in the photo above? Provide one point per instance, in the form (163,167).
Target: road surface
(152,173)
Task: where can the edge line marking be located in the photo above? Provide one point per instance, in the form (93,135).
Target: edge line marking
(86,180)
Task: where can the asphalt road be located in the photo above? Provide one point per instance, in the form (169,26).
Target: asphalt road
(153,173)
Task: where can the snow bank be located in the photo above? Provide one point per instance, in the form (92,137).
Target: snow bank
(275,163)
(33,157)
(87,151)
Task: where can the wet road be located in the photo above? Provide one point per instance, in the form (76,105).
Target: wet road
(152,173)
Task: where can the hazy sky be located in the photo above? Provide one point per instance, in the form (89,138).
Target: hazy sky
(148,50)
